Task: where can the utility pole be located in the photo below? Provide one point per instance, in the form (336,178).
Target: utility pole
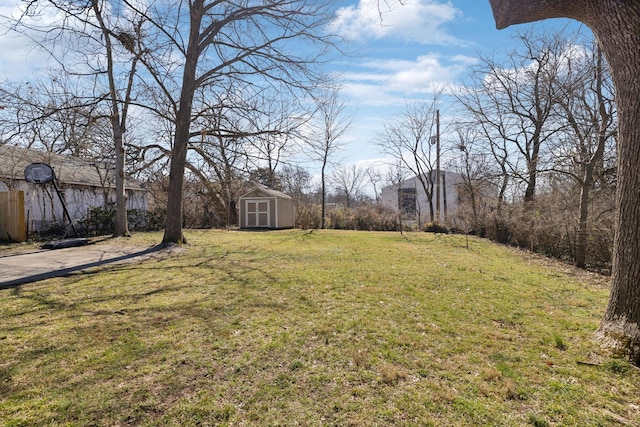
(438,166)
(444,196)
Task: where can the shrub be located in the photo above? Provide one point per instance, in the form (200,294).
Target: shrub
(432,227)
(101,221)
(550,226)
(307,216)
(365,218)
(156,219)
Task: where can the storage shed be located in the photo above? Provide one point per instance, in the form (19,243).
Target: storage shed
(263,207)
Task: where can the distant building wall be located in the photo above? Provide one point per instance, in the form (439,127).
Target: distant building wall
(398,197)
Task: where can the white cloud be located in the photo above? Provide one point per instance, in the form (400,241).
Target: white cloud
(371,95)
(386,82)
(19,55)
(416,21)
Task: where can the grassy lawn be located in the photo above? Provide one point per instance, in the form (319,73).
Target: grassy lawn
(314,329)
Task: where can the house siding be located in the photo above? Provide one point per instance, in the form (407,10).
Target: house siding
(82,185)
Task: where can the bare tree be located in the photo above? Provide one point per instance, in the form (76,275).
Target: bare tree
(409,140)
(477,192)
(395,176)
(348,182)
(218,166)
(120,99)
(276,124)
(97,39)
(334,121)
(585,104)
(375,178)
(219,153)
(513,103)
(205,47)
(616,24)
(296,182)
(51,113)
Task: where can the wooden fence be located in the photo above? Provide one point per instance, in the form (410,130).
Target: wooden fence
(13,226)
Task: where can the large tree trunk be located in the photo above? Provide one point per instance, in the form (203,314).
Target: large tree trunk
(173,225)
(616,24)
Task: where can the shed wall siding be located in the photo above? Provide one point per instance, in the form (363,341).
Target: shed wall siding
(281,211)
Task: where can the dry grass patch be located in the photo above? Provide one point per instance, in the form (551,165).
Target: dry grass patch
(321,328)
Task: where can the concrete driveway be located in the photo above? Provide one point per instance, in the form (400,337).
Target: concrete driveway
(21,268)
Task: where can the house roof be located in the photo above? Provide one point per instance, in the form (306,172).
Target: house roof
(262,191)
(68,169)
(452,177)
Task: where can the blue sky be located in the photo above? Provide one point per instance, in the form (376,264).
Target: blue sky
(423,45)
(400,56)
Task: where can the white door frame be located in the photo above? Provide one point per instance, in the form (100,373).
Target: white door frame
(257,213)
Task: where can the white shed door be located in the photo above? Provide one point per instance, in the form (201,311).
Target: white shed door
(258,214)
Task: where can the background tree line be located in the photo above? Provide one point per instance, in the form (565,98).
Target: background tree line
(539,135)
(532,134)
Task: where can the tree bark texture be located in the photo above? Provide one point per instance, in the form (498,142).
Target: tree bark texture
(173,226)
(616,24)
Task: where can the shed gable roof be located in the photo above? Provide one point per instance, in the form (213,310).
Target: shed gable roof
(262,191)
(68,169)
